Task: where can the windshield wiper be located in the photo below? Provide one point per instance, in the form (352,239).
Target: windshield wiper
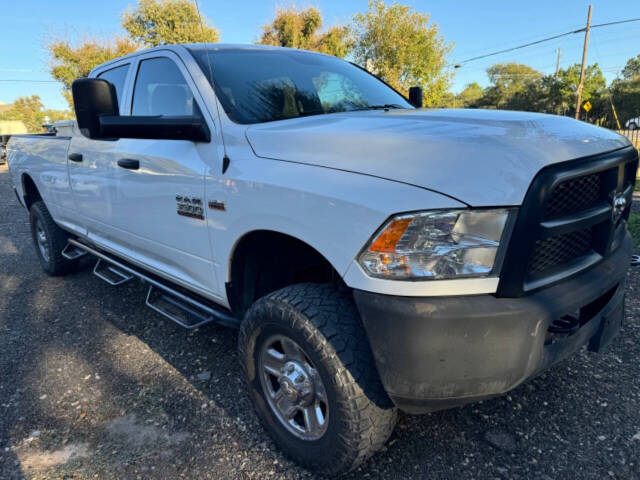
(386,106)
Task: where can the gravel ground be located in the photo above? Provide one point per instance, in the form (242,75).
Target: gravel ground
(94,385)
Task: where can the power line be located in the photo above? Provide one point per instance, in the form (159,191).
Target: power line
(547,39)
(616,23)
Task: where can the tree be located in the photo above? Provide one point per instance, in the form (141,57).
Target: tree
(631,70)
(296,28)
(399,45)
(625,95)
(69,61)
(594,81)
(29,110)
(161,22)
(507,80)
(470,95)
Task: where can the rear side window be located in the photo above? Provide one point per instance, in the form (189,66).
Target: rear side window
(161,89)
(117,76)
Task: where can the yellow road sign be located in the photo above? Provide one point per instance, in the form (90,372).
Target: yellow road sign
(587,106)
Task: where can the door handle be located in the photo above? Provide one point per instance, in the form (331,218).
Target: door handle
(129,163)
(75,157)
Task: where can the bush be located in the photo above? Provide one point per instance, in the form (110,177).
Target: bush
(634,228)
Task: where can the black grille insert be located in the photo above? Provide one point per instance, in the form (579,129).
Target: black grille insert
(574,195)
(565,223)
(559,250)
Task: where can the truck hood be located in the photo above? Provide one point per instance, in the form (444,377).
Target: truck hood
(481,157)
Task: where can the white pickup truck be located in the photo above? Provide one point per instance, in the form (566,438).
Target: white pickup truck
(374,255)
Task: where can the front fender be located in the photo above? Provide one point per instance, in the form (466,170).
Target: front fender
(333,211)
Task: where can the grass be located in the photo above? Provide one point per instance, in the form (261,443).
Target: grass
(634,228)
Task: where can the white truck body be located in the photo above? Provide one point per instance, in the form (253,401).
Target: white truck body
(414,161)
(356,190)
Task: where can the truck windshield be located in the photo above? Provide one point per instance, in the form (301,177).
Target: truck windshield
(261,85)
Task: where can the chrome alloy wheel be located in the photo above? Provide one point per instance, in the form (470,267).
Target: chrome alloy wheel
(43,243)
(293,388)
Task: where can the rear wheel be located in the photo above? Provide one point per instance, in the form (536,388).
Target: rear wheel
(49,241)
(633,126)
(312,377)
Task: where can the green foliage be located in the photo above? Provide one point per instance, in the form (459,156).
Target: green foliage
(296,28)
(594,82)
(69,61)
(161,22)
(399,45)
(634,228)
(30,111)
(470,95)
(519,87)
(336,41)
(510,86)
(631,70)
(625,95)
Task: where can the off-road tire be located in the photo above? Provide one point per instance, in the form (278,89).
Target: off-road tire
(56,239)
(326,324)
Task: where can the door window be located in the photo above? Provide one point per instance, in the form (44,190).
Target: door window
(117,77)
(161,89)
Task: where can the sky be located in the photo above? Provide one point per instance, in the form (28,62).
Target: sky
(474,27)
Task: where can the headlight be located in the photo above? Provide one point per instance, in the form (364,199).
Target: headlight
(437,244)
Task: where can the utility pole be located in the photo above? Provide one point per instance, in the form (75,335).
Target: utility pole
(558,63)
(584,61)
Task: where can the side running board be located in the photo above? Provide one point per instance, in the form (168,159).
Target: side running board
(110,273)
(182,308)
(71,252)
(186,314)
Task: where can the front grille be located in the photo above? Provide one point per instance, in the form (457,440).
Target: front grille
(567,223)
(574,195)
(559,250)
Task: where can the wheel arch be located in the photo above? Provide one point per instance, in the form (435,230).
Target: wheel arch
(262,261)
(30,191)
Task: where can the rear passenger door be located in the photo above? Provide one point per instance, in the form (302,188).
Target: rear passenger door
(90,162)
(153,210)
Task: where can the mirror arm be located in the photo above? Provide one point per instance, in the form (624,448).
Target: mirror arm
(155,127)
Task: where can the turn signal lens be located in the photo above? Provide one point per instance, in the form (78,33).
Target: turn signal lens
(388,239)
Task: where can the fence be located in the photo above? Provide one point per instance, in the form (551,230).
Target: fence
(633,135)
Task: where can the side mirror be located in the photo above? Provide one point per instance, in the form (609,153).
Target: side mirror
(415,96)
(156,128)
(96,105)
(93,97)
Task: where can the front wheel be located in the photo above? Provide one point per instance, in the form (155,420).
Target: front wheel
(633,126)
(312,377)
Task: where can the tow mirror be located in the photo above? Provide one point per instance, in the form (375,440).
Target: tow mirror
(93,97)
(96,104)
(156,127)
(415,96)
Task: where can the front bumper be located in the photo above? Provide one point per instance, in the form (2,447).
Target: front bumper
(434,353)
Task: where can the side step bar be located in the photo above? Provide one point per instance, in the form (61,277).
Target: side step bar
(110,273)
(184,314)
(181,308)
(71,252)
